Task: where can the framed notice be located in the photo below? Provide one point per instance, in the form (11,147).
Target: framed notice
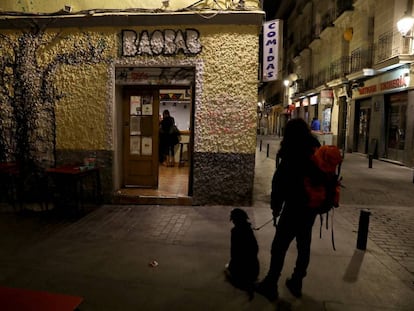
(135,125)
(146,145)
(134,145)
(147,105)
(135,105)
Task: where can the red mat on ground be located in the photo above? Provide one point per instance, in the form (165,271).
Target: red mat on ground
(17,299)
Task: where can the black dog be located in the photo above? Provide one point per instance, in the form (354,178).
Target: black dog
(243,268)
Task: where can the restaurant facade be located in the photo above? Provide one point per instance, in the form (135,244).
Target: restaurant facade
(84,82)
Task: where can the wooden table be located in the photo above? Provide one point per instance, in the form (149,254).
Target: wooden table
(73,177)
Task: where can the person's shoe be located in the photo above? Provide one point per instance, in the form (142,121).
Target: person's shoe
(295,287)
(269,291)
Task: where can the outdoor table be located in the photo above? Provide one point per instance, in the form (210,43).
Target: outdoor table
(73,177)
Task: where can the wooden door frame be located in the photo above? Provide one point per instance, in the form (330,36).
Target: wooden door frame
(122,89)
(154,91)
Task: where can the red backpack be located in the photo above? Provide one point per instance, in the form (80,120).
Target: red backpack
(323,190)
(323,187)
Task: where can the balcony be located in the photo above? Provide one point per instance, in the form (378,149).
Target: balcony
(339,68)
(392,50)
(361,58)
(320,78)
(391,44)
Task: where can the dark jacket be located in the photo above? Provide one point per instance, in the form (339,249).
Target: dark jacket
(168,138)
(288,190)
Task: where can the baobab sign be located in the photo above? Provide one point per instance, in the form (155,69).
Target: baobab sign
(166,42)
(272,44)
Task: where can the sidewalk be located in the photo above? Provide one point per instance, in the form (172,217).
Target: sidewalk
(104,257)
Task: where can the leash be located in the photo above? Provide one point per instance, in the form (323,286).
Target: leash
(267,222)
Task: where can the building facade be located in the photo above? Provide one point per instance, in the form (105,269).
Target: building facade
(82,81)
(352,70)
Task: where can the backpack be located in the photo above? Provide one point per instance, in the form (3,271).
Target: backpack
(175,135)
(323,184)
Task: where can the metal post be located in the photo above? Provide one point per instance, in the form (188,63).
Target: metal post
(363,229)
(267,151)
(370,157)
(260,148)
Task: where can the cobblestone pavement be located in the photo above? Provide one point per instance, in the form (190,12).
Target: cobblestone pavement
(386,190)
(391,228)
(155,223)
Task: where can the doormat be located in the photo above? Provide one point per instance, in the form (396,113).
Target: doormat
(17,299)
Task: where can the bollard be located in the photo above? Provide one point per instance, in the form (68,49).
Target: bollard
(260,148)
(363,229)
(370,160)
(267,151)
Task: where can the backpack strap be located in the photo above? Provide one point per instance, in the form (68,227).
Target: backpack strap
(327,227)
(320,227)
(332,230)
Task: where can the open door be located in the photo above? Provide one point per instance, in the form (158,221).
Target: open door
(140,135)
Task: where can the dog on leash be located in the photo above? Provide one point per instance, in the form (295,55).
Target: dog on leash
(243,269)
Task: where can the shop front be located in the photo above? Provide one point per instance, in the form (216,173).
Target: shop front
(100,91)
(381,124)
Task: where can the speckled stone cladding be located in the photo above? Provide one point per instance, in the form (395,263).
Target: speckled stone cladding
(223,178)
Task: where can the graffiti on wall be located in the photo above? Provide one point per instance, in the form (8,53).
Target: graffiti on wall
(28,94)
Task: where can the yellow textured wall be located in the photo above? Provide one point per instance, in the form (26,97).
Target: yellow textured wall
(225,115)
(49,6)
(226,118)
(82,112)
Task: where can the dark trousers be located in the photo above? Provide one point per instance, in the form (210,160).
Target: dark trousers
(290,227)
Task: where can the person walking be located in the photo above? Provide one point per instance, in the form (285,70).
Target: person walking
(288,200)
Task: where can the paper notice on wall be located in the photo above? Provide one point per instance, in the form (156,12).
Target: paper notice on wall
(146,145)
(135,145)
(135,125)
(135,104)
(147,105)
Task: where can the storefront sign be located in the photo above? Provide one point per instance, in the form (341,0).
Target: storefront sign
(326,97)
(393,80)
(166,42)
(314,100)
(326,94)
(272,36)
